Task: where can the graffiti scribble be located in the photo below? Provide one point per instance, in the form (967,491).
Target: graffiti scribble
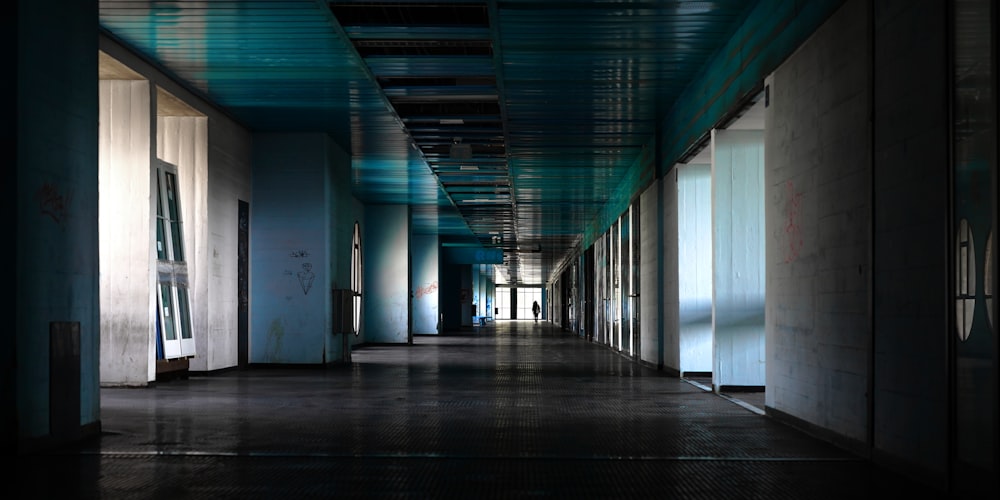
(306,277)
(426,290)
(53,203)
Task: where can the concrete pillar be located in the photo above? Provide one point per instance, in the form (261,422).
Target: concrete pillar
(127,256)
(290,296)
(53,165)
(820,224)
(738,257)
(425,284)
(650,289)
(387,268)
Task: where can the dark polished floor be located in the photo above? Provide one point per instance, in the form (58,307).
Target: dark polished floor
(513,410)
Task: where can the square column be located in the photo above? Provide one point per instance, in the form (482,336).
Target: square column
(387,271)
(425,276)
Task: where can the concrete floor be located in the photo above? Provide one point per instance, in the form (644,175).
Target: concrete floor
(513,410)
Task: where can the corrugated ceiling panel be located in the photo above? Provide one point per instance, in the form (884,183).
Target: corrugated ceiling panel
(578,90)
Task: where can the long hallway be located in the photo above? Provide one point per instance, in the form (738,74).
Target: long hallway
(513,410)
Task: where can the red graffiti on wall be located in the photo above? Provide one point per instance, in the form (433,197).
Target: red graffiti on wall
(792,229)
(53,203)
(426,290)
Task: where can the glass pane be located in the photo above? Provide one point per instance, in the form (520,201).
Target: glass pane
(159,198)
(175,241)
(184,318)
(503,303)
(356,274)
(526,298)
(357,314)
(356,259)
(171,191)
(161,246)
(166,301)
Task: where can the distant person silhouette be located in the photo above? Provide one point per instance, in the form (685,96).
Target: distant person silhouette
(536,309)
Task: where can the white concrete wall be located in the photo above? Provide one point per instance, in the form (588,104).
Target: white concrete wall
(220,165)
(128,256)
(818,194)
(671,313)
(229,152)
(650,291)
(738,257)
(694,266)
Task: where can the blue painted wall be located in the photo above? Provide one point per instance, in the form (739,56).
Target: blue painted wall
(56,207)
(292,265)
(387,271)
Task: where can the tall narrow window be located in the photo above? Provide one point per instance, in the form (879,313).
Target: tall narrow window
(174,321)
(965,279)
(356,276)
(988,279)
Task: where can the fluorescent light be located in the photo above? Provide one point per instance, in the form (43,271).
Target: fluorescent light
(485,200)
(468,167)
(452,121)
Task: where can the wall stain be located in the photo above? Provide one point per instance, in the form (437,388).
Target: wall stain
(275,335)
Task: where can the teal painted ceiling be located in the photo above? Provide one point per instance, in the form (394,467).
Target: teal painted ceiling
(504,124)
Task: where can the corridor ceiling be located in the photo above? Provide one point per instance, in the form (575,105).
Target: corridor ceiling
(505,124)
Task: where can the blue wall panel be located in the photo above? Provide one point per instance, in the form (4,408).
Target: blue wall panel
(56,204)
(290,280)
